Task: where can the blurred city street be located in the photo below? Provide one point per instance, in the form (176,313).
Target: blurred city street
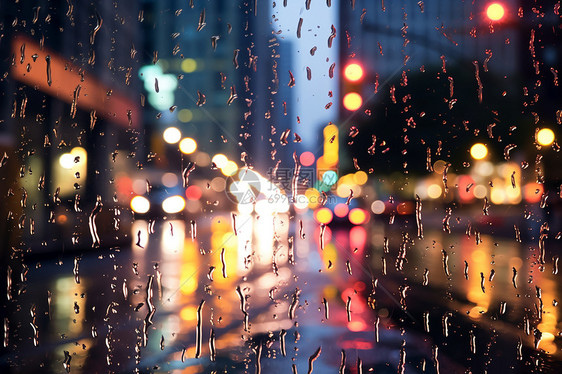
(339,186)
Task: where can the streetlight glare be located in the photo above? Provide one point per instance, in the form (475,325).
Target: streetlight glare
(358,216)
(478,151)
(188,146)
(545,137)
(434,191)
(229,169)
(185,115)
(189,65)
(495,11)
(324,215)
(220,160)
(172,135)
(352,101)
(66,160)
(353,72)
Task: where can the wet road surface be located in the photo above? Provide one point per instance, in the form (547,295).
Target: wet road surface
(257,294)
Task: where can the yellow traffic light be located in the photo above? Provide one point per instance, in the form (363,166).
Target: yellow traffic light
(495,11)
(478,151)
(352,101)
(545,136)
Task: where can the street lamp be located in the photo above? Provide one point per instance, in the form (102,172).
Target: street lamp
(545,136)
(478,151)
(188,146)
(172,135)
(219,160)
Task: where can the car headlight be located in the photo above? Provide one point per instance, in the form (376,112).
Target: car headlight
(173,204)
(140,204)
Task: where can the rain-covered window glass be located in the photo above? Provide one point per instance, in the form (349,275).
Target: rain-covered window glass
(288,186)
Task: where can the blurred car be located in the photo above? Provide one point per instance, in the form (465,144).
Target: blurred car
(159,201)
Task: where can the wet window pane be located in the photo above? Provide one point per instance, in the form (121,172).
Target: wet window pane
(280,186)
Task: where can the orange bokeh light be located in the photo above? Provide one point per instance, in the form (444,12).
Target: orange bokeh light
(307,158)
(357,238)
(341,210)
(533,192)
(193,193)
(358,216)
(323,215)
(405,208)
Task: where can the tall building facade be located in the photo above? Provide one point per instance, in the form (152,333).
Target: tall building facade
(69,100)
(390,36)
(221,58)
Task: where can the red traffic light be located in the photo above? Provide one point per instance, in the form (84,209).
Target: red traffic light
(495,12)
(353,72)
(353,75)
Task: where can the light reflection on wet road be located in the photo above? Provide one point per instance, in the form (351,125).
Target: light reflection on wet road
(282,281)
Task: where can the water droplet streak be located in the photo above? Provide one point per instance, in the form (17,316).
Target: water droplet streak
(299,28)
(419,217)
(446,263)
(92,222)
(282,335)
(201,23)
(185,174)
(243,307)
(426,321)
(223,262)
(199,330)
(342,363)
(99,22)
(312,358)
(193,230)
(49,78)
(294,304)
(322,231)
(75,270)
(426,277)
(212,346)
(66,362)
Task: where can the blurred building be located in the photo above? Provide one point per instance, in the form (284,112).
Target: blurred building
(192,49)
(490,75)
(69,101)
(391,36)
(219,60)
